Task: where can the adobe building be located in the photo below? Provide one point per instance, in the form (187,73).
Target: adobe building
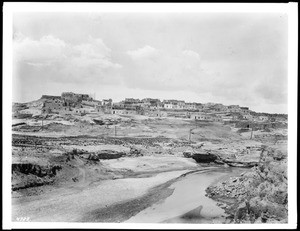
(201,116)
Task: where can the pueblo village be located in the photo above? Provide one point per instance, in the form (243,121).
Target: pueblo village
(78,159)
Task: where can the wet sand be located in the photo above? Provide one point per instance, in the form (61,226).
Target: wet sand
(126,200)
(188,203)
(82,205)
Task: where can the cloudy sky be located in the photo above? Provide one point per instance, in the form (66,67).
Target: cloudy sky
(227,58)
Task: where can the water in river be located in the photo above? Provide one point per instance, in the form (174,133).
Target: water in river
(188,203)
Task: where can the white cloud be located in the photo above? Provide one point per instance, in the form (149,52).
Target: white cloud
(95,48)
(177,70)
(145,52)
(95,52)
(190,53)
(67,62)
(229,57)
(238,82)
(47,49)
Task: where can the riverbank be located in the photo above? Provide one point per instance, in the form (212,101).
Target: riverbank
(107,201)
(108,198)
(188,202)
(258,196)
(104,178)
(123,211)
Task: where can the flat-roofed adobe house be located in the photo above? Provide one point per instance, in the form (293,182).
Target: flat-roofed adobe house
(263,118)
(119,111)
(131,101)
(247,117)
(228,117)
(74,98)
(107,102)
(180,105)
(122,111)
(201,116)
(156,113)
(234,108)
(91,103)
(51,97)
(130,112)
(244,110)
(174,104)
(190,106)
(169,106)
(52,105)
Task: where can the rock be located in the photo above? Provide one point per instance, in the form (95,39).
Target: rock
(187,154)
(204,157)
(195,213)
(135,152)
(109,154)
(99,122)
(40,171)
(217,161)
(93,157)
(241,212)
(278,155)
(226,165)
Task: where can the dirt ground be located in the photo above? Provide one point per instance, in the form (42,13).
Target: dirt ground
(72,169)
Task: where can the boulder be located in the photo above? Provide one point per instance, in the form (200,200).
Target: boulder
(109,154)
(204,157)
(99,122)
(38,170)
(187,154)
(135,151)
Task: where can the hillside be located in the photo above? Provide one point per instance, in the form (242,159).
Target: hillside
(58,155)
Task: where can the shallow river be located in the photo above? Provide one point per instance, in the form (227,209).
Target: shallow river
(188,203)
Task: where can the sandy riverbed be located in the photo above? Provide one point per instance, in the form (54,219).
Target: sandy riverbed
(162,197)
(188,203)
(73,205)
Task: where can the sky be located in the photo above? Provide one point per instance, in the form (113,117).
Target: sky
(228,58)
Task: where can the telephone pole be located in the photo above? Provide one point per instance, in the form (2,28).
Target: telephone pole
(190,133)
(43,118)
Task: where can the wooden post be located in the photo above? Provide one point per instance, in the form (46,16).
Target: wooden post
(261,155)
(43,120)
(251,132)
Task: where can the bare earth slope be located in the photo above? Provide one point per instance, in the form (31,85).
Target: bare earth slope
(69,168)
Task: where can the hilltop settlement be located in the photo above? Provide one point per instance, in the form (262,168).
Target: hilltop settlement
(70,103)
(75,158)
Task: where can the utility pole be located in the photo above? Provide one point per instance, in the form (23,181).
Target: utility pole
(251,132)
(190,135)
(261,154)
(44,117)
(115,130)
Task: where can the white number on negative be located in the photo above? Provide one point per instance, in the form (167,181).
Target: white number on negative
(23,219)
